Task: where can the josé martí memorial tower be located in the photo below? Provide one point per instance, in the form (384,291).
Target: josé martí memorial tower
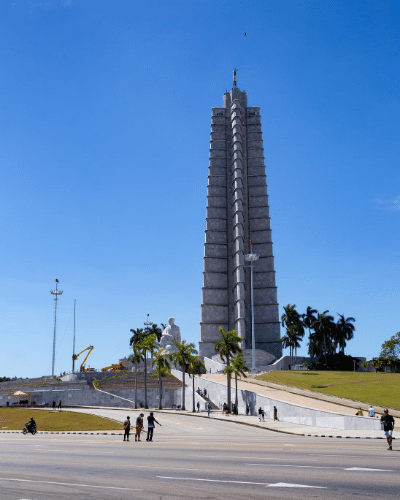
(238,224)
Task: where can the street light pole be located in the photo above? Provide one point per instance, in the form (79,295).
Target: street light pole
(55,292)
(252,257)
(147,324)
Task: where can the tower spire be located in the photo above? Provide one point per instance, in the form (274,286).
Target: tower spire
(234,79)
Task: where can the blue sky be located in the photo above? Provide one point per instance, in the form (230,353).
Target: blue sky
(105,119)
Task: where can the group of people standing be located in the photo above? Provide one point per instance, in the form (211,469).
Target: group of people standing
(151,421)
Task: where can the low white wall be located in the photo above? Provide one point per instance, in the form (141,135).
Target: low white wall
(287,412)
(284,362)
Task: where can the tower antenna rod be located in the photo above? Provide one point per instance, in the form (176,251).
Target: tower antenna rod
(55,292)
(73,345)
(234,79)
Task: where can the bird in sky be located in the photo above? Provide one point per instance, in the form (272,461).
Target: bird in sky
(245,33)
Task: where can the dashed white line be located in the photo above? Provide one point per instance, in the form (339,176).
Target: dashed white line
(279,485)
(210,480)
(327,467)
(69,484)
(366,469)
(290,485)
(243,458)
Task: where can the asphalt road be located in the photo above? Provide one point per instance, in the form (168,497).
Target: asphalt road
(196,458)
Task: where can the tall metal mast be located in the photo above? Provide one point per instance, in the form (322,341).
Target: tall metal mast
(55,292)
(73,346)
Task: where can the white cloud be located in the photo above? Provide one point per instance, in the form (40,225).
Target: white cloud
(389,204)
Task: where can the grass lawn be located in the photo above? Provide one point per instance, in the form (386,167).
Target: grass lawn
(381,389)
(12,419)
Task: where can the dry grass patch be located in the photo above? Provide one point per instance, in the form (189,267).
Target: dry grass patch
(50,420)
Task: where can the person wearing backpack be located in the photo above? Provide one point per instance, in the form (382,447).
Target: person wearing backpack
(139,426)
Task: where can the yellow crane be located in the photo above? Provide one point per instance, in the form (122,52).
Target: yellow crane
(118,368)
(76,356)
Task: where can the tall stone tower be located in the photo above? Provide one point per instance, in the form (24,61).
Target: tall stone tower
(237,213)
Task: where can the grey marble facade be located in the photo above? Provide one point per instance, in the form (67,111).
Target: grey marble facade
(237,213)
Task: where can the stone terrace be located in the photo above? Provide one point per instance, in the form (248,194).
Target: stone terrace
(127,382)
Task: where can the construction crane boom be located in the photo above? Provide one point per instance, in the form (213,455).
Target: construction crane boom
(76,356)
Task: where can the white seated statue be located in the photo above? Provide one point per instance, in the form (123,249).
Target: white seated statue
(171,332)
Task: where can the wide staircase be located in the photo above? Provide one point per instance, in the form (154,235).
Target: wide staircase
(127,382)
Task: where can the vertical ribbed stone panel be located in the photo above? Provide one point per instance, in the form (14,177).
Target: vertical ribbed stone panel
(237,212)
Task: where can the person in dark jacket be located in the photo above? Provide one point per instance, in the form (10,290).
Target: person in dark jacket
(127,428)
(150,426)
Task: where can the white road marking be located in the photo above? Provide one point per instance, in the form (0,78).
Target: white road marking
(289,485)
(327,467)
(372,470)
(245,458)
(69,484)
(155,467)
(210,480)
(346,456)
(302,466)
(282,485)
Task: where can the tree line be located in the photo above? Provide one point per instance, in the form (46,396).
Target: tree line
(389,357)
(327,338)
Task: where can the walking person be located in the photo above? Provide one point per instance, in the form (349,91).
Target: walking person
(247,409)
(59,405)
(127,428)
(198,406)
(388,426)
(263,415)
(275,413)
(150,426)
(259,413)
(139,426)
(208,409)
(371,411)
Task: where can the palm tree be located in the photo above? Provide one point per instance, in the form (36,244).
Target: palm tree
(227,347)
(239,368)
(155,330)
(136,358)
(325,330)
(293,322)
(147,344)
(345,329)
(287,342)
(309,319)
(161,362)
(182,358)
(137,355)
(292,339)
(195,367)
